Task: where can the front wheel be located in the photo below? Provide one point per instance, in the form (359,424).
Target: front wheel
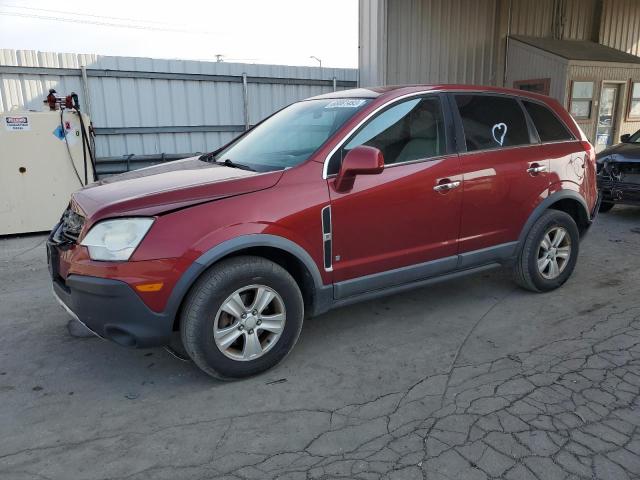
(549,253)
(242,317)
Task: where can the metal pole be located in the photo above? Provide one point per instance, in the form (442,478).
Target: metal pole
(85,90)
(245,101)
(506,47)
(335,84)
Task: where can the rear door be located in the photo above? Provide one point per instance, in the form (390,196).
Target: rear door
(568,159)
(401,217)
(504,169)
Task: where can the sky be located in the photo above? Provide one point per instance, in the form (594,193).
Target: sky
(284,32)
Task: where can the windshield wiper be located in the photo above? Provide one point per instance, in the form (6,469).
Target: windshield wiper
(232,164)
(207,157)
(211,158)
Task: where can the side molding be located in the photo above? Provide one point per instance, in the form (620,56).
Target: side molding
(404,277)
(497,254)
(393,278)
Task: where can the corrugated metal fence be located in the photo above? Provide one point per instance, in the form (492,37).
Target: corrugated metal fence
(149,107)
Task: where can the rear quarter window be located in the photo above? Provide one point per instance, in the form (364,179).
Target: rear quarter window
(492,121)
(549,127)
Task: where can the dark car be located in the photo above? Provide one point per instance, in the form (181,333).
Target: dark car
(619,172)
(333,200)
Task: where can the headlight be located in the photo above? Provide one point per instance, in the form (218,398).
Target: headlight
(115,240)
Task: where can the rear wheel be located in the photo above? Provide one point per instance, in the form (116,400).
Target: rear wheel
(606,206)
(549,252)
(242,317)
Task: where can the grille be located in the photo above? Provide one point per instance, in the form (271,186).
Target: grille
(70,225)
(606,184)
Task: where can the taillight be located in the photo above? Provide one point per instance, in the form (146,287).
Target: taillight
(588,148)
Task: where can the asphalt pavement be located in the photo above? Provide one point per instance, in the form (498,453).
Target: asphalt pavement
(470,379)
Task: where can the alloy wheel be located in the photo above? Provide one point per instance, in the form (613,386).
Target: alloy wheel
(554,252)
(249,322)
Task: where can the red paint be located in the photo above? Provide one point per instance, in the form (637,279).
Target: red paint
(384,219)
(361,160)
(395,219)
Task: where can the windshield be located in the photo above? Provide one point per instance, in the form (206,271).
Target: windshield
(290,136)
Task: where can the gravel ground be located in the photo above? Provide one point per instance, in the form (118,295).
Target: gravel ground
(470,379)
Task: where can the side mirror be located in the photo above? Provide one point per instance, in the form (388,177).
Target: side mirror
(625,138)
(361,160)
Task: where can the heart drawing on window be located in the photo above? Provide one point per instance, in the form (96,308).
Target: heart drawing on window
(499,131)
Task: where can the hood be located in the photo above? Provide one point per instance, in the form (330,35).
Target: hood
(169,186)
(622,152)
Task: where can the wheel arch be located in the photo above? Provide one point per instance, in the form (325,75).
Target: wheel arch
(289,255)
(568,201)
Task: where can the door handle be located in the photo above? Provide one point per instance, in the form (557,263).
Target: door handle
(445,187)
(535,168)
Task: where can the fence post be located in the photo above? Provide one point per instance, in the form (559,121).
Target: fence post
(85,90)
(335,83)
(245,101)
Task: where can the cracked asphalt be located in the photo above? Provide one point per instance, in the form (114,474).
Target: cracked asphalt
(472,379)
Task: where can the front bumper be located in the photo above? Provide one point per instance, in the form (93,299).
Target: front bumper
(110,308)
(619,192)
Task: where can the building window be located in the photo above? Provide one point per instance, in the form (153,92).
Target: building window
(581,99)
(634,103)
(540,85)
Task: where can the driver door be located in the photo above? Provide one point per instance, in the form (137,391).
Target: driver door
(400,225)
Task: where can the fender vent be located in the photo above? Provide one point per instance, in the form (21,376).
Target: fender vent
(326,237)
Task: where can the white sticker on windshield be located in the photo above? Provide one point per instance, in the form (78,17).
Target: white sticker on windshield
(499,131)
(345,103)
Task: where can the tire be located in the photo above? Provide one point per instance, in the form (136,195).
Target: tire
(606,206)
(216,294)
(527,272)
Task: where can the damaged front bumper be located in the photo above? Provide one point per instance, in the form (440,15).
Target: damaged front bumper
(619,181)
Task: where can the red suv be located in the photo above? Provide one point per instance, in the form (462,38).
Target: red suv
(333,200)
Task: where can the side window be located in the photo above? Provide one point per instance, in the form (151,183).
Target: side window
(549,128)
(410,130)
(492,122)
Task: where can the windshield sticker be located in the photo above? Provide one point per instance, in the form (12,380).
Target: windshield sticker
(345,103)
(499,131)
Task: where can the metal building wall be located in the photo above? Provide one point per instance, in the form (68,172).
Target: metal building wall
(527,62)
(532,19)
(581,20)
(620,27)
(372,39)
(463,41)
(172,107)
(441,41)
(565,19)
